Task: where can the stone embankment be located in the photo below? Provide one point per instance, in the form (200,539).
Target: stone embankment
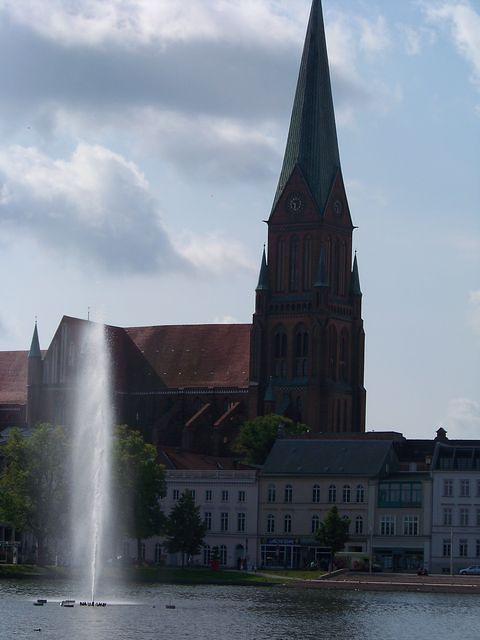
(395,582)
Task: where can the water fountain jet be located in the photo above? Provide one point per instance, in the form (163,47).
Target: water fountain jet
(91,454)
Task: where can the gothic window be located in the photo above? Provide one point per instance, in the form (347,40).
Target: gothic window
(344,353)
(287,524)
(301,352)
(347,493)
(315,524)
(316,493)
(280,265)
(343,262)
(307,263)
(332,352)
(293,280)
(280,353)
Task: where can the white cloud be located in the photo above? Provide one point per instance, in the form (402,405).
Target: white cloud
(355,44)
(142,22)
(218,148)
(463,418)
(375,35)
(214,253)
(464,24)
(97,206)
(416,39)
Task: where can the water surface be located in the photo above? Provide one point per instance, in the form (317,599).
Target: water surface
(234,613)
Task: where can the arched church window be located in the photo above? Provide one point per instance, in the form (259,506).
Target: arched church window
(307,263)
(294,251)
(301,352)
(332,352)
(280,285)
(336,266)
(280,353)
(344,353)
(343,262)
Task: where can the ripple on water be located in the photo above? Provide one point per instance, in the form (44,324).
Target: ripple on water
(234,613)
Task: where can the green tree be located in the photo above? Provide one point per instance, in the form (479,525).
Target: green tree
(333,532)
(33,485)
(139,484)
(256,437)
(185,528)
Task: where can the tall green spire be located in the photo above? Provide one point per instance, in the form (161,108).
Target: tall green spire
(263,277)
(312,138)
(35,345)
(355,281)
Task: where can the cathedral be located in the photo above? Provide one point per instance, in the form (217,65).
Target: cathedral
(303,354)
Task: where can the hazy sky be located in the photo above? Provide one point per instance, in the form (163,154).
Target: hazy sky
(140,146)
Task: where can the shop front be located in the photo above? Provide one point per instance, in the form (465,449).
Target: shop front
(292,553)
(398,559)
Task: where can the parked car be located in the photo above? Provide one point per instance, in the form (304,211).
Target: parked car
(470,571)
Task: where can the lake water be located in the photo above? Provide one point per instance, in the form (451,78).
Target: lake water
(234,613)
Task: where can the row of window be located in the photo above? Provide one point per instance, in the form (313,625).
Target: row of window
(225,521)
(294,264)
(347,493)
(315,524)
(338,353)
(388,526)
(462,548)
(463,518)
(464,486)
(208,496)
(400,494)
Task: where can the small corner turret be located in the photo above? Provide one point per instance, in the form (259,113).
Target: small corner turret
(34,380)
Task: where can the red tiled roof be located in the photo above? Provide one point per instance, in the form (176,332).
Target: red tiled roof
(206,355)
(13,377)
(178,459)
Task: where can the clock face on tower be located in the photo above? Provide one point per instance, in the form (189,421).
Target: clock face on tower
(295,203)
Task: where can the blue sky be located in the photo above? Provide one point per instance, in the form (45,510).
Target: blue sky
(141,143)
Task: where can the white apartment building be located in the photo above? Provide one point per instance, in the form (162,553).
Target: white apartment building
(456,507)
(228,501)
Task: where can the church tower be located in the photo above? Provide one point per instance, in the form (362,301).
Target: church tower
(307,356)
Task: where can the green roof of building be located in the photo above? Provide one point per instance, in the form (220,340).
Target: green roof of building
(312,139)
(263,277)
(35,345)
(327,457)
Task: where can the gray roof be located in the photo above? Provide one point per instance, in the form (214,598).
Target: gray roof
(327,457)
(312,138)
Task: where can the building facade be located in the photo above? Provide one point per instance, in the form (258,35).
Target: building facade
(227,495)
(456,507)
(302,480)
